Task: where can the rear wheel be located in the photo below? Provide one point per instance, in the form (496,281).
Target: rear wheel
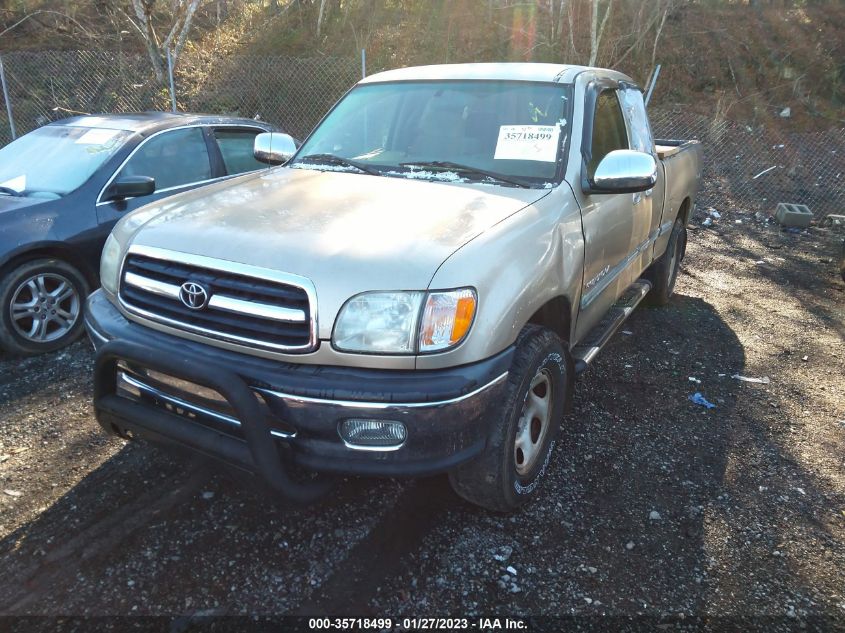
(41,304)
(508,473)
(663,273)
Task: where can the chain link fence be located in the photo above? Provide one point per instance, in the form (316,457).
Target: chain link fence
(748,168)
(292,93)
(754,168)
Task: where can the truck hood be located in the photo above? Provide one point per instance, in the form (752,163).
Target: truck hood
(347,232)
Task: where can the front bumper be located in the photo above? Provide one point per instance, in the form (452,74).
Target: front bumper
(275,413)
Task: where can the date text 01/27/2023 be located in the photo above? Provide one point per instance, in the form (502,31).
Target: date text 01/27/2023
(418,624)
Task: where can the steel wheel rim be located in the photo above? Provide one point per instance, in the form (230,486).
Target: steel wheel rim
(44,307)
(534,423)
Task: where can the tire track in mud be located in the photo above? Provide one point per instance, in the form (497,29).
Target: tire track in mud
(43,578)
(382,553)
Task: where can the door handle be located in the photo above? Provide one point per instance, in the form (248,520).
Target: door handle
(637,198)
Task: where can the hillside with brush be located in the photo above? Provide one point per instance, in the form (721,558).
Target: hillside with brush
(752,61)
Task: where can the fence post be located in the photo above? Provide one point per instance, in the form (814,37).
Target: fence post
(363,63)
(6,99)
(170,76)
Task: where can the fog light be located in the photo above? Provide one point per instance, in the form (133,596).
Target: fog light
(372,433)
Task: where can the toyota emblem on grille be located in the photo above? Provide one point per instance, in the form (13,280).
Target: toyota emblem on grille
(193,295)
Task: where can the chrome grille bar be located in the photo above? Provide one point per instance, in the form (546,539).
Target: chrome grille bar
(221,302)
(249,306)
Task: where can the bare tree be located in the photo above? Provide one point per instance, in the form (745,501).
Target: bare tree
(31,16)
(180,14)
(557,16)
(320,16)
(570,16)
(662,10)
(596,31)
(660,30)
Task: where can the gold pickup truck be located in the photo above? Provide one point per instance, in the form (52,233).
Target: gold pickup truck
(412,291)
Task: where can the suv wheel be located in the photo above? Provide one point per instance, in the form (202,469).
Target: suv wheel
(41,304)
(508,473)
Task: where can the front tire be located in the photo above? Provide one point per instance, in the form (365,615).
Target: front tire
(508,473)
(41,303)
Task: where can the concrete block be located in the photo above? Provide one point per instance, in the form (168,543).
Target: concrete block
(793,214)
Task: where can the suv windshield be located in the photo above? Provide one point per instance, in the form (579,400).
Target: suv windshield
(55,159)
(506,132)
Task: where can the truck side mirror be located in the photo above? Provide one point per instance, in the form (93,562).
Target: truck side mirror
(624,171)
(130,187)
(274,148)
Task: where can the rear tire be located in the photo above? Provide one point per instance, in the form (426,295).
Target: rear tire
(508,473)
(41,304)
(663,273)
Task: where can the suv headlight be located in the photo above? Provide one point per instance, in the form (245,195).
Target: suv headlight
(110,265)
(408,322)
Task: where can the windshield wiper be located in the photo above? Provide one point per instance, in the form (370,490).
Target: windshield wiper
(340,160)
(11,192)
(467,169)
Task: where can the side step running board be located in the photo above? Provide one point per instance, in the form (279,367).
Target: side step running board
(585,352)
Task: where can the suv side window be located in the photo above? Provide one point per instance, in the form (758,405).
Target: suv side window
(639,130)
(173,158)
(236,146)
(609,132)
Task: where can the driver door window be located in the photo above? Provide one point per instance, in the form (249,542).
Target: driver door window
(174,158)
(609,131)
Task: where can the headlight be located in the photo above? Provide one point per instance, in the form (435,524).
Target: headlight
(110,265)
(404,322)
(380,322)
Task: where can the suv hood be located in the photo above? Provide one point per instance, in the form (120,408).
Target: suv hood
(13,203)
(347,232)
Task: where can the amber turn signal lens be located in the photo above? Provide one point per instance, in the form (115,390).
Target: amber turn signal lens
(447,318)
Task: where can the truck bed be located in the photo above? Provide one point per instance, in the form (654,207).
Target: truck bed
(667,148)
(682,164)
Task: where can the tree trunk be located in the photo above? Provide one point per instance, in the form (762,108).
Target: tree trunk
(182,16)
(320,17)
(596,37)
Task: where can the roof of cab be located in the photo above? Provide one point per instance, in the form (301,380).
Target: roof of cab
(149,122)
(560,73)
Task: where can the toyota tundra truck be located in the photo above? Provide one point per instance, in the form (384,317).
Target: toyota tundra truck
(413,291)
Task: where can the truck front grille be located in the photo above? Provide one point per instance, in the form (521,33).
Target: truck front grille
(221,300)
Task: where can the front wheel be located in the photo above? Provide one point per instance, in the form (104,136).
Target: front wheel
(41,304)
(509,471)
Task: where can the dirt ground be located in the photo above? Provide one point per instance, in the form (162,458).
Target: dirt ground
(654,505)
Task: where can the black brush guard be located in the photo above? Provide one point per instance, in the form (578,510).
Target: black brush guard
(259,453)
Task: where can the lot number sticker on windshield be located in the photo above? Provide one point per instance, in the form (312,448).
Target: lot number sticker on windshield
(97,137)
(528,142)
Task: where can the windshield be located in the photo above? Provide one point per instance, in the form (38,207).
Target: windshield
(449,130)
(55,159)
